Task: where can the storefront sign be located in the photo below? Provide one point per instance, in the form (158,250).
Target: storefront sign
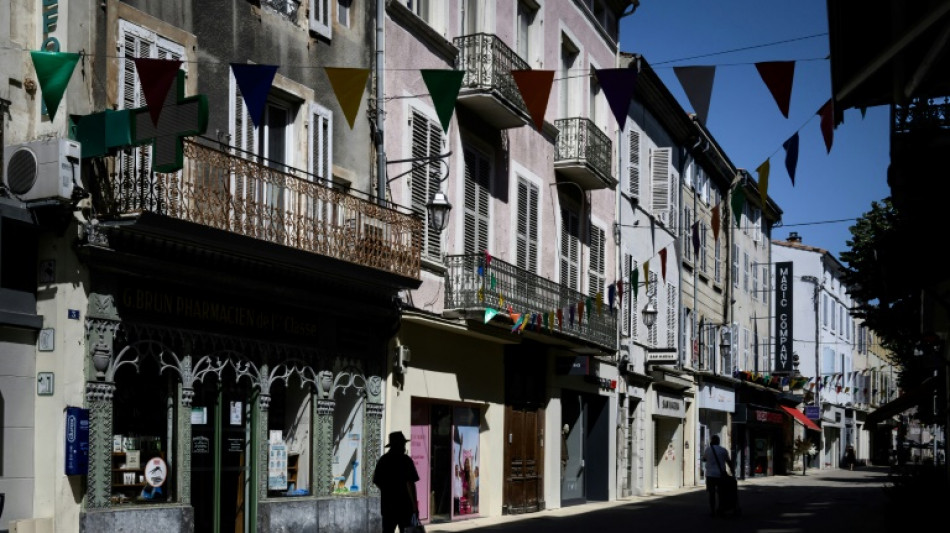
(717,398)
(573,366)
(668,405)
(156,471)
(200,445)
(235,444)
(661,357)
(765,417)
(783,314)
(813,412)
(77,441)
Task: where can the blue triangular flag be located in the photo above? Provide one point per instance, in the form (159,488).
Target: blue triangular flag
(791,155)
(255,82)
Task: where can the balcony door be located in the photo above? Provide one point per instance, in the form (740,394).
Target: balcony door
(273,146)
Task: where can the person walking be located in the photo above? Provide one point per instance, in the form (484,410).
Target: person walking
(716,457)
(396,477)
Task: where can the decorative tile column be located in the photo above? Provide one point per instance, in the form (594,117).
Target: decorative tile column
(102,322)
(323,408)
(372,431)
(183,449)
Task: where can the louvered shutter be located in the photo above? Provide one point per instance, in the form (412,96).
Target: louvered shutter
(477,179)
(424,179)
(633,159)
(527,238)
(670,315)
(570,249)
(596,277)
(321,158)
(660,178)
(651,296)
(626,296)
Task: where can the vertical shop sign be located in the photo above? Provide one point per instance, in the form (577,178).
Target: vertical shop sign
(783,317)
(77,441)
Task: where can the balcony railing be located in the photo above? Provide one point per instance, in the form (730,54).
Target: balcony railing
(488,62)
(279,205)
(922,115)
(471,284)
(583,148)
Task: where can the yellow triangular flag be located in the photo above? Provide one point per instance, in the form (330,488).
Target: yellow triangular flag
(348,85)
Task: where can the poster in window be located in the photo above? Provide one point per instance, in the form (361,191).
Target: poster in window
(465,461)
(277,467)
(347,443)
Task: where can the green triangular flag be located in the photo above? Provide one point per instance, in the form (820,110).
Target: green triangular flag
(490,314)
(444,88)
(53,70)
(738,201)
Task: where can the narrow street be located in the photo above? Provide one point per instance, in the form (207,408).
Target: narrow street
(827,500)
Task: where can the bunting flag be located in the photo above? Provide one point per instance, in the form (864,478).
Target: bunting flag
(635,281)
(156,77)
(715,222)
(490,313)
(580,313)
(570,312)
(255,82)
(618,85)
(827,113)
(560,319)
(653,233)
(481,271)
(546,323)
(697,82)
(778,76)
(481,294)
(492,282)
(487,258)
(551,321)
(663,263)
(518,321)
(501,301)
(443,88)
(599,302)
(738,202)
(611,295)
(535,87)
(525,318)
(53,70)
(620,291)
(646,276)
(791,156)
(695,233)
(348,85)
(763,172)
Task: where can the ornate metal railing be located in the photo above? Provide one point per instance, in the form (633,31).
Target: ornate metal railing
(473,284)
(921,114)
(488,62)
(579,139)
(275,203)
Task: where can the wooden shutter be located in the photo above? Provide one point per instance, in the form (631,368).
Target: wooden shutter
(477,181)
(660,177)
(633,163)
(527,238)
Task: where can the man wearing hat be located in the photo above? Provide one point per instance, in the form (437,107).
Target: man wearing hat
(396,478)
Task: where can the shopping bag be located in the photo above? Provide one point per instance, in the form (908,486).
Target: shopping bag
(415,526)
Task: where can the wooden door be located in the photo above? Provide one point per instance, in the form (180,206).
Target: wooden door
(524,460)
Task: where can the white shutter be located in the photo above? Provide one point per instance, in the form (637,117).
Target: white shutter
(670,315)
(320,18)
(660,177)
(527,238)
(570,248)
(625,298)
(477,181)
(321,143)
(633,159)
(595,276)
(424,179)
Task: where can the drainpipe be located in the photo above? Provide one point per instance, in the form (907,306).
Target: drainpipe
(380,113)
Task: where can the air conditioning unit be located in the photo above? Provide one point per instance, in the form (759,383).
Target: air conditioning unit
(47,169)
(630,368)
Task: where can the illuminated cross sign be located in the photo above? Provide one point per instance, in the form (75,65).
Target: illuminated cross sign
(181,117)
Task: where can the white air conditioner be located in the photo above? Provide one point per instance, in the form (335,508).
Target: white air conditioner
(41,170)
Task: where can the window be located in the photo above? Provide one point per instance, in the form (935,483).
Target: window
(746,354)
(596,274)
(289,425)
(477,184)
(735,266)
(745,271)
(703,250)
(320,18)
(717,247)
(755,283)
(569,53)
(633,163)
(671,315)
(570,248)
(625,298)
(343,9)
(527,14)
(824,310)
(660,176)
(321,143)
(470,17)
(348,416)
(425,179)
(687,236)
(651,296)
(527,238)
(287,8)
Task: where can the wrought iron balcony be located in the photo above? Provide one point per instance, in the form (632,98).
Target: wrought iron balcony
(922,115)
(275,203)
(488,87)
(583,153)
(473,285)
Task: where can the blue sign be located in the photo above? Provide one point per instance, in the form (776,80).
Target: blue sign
(77,441)
(812,412)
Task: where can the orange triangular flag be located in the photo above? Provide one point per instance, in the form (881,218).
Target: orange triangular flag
(777,76)
(715,222)
(535,87)
(663,263)
(348,85)
(763,172)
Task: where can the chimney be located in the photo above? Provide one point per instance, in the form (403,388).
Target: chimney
(793,236)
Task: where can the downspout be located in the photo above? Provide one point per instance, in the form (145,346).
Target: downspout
(380,113)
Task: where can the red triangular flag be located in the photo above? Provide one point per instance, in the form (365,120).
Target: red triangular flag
(663,263)
(777,76)
(535,87)
(715,222)
(697,82)
(156,77)
(827,113)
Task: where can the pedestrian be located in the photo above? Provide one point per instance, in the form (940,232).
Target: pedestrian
(716,457)
(396,477)
(849,457)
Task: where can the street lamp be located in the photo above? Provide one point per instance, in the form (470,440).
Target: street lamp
(649,315)
(438,209)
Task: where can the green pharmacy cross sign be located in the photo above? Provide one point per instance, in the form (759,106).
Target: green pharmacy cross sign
(181,117)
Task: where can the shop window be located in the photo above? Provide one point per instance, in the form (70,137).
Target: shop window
(348,436)
(144,419)
(289,434)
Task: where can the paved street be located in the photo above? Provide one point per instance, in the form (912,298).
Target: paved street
(828,500)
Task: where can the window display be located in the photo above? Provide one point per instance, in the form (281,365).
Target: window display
(289,427)
(348,440)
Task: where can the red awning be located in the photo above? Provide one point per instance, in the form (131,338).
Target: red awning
(798,415)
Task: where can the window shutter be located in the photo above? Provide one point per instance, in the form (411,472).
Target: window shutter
(424,179)
(320,18)
(596,277)
(477,180)
(660,176)
(652,297)
(527,238)
(670,315)
(626,296)
(570,249)
(321,143)
(633,158)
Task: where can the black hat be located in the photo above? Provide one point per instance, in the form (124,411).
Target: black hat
(396,437)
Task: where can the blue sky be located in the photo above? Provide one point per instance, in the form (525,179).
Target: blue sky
(744,118)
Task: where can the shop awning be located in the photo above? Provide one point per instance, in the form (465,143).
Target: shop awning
(902,403)
(798,415)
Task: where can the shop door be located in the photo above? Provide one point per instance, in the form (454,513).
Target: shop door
(523,460)
(220,474)
(669,451)
(574,438)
